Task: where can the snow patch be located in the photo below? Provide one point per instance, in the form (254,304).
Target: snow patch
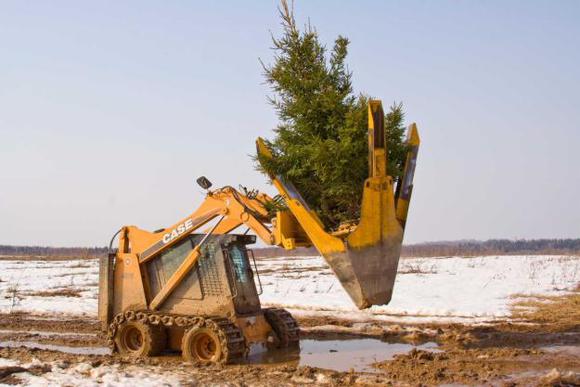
(441,289)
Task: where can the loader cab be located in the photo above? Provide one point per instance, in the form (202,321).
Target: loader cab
(214,306)
(221,283)
(245,295)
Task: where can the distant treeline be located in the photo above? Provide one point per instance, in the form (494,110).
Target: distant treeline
(271,252)
(493,247)
(461,248)
(428,249)
(42,251)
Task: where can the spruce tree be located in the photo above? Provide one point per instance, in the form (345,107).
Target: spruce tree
(320,143)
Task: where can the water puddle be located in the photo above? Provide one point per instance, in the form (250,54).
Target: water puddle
(59,348)
(339,355)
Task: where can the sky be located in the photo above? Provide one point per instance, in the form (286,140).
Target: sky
(110,110)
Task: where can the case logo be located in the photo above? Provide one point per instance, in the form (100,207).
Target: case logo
(177,231)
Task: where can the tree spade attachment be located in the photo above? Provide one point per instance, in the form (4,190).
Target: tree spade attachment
(363,256)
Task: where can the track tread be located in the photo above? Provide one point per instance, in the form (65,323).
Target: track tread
(285,327)
(231,337)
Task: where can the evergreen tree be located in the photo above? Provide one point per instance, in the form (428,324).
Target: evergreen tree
(320,144)
(395,132)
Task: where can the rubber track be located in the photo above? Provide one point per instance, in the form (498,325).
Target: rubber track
(234,339)
(284,325)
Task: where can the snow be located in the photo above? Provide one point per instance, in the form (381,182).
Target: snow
(85,375)
(427,289)
(444,289)
(21,279)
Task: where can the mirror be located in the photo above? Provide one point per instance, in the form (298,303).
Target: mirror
(203,182)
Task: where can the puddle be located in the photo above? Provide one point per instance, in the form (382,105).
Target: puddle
(59,348)
(339,355)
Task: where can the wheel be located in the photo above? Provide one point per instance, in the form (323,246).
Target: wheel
(284,326)
(138,339)
(203,345)
(213,341)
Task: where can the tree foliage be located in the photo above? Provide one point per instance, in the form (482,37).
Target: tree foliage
(320,143)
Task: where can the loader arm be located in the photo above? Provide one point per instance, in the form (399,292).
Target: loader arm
(231,208)
(363,256)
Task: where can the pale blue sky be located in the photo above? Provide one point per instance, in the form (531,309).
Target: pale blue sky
(109,110)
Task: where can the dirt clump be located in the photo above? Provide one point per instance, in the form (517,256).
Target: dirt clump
(470,366)
(315,321)
(558,313)
(65,292)
(557,378)
(55,323)
(7,373)
(67,340)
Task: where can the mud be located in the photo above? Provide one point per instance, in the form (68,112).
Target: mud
(56,338)
(8,374)
(65,292)
(259,375)
(23,321)
(476,366)
(540,347)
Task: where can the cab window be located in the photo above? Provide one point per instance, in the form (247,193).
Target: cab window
(238,256)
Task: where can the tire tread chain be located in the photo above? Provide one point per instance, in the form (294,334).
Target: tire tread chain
(287,325)
(231,338)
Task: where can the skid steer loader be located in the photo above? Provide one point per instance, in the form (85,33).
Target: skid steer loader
(192,287)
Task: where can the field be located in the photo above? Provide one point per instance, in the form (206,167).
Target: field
(479,320)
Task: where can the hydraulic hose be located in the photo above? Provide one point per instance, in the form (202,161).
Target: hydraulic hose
(113,239)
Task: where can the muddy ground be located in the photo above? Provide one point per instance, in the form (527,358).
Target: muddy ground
(540,346)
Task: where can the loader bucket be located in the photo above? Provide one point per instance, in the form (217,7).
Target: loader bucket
(364,259)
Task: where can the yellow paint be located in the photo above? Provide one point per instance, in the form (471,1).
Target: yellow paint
(413,141)
(379,220)
(381,224)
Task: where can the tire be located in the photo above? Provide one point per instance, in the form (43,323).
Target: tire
(284,326)
(202,345)
(138,339)
(213,340)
